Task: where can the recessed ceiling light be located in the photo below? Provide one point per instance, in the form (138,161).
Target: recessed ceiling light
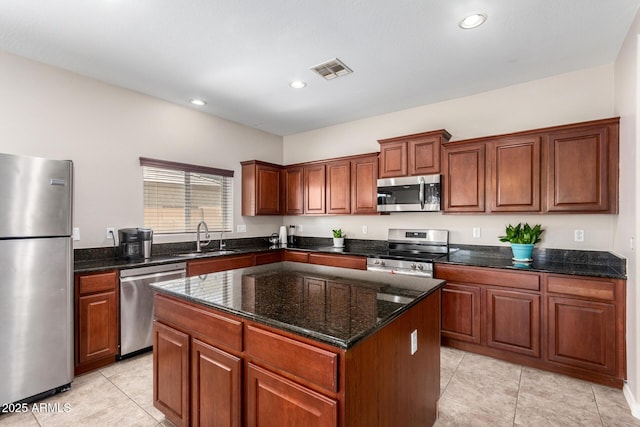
(297,84)
(473,21)
(198,102)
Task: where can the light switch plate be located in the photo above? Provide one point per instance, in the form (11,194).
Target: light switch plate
(241,228)
(76,234)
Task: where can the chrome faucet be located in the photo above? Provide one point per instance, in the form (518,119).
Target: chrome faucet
(222,243)
(200,244)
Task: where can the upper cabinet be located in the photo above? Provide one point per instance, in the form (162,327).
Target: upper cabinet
(364,184)
(262,188)
(417,154)
(314,189)
(294,190)
(563,169)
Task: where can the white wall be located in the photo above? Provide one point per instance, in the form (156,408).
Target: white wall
(49,112)
(573,97)
(628,222)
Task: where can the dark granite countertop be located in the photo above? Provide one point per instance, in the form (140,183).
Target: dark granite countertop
(559,261)
(277,295)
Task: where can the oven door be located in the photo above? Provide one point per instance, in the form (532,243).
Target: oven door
(409,194)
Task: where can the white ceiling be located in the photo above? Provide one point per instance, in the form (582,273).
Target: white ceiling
(240,55)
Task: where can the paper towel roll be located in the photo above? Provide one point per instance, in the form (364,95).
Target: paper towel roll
(283,235)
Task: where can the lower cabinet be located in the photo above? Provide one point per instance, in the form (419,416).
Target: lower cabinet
(568,324)
(96,323)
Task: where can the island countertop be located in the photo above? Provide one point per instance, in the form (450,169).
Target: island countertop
(336,306)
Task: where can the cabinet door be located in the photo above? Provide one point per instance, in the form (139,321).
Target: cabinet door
(339,187)
(578,170)
(216,397)
(98,326)
(171,373)
(274,401)
(424,155)
(268,190)
(393,159)
(294,183)
(514,175)
(513,321)
(314,189)
(364,185)
(461,312)
(582,334)
(464,178)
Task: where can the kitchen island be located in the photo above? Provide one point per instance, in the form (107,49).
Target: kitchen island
(294,344)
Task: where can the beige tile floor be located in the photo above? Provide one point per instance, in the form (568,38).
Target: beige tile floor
(475,391)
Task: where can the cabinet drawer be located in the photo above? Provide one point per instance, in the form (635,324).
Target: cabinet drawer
(302,360)
(207,325)
(268,257)
(204,266)
(488,276)
(344,261)
(582,287)
(296,256)
(97,282)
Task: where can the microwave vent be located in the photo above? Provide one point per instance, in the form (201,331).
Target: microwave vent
(332,69)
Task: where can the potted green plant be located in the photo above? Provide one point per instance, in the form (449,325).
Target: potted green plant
(338,238)
(523,238)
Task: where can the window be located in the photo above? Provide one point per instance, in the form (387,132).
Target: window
(177,196)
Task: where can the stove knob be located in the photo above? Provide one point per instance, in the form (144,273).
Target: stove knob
(420,267)
(376,261)
(382,262)
(413,266)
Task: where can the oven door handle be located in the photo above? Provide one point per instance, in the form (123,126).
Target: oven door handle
(421,194)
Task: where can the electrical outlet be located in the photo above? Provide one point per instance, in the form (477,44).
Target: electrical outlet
(414,341)
(578,235)
(365,230)
(76,234)
(241,228)
(300,228)
(111,233)
(476,232)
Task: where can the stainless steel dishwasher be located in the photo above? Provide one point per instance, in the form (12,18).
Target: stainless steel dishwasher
(136,304)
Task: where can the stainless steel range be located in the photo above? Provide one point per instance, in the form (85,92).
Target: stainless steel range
(412,252)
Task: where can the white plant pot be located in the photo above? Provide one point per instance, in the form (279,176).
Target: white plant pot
(338,242)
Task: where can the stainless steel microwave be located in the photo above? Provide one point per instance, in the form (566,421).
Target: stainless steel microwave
(409,194)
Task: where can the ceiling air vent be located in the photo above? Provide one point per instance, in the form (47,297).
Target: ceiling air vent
(331,69)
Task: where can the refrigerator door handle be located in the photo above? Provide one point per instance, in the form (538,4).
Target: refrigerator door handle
(57,181)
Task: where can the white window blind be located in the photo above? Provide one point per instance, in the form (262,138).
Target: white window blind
(177,196)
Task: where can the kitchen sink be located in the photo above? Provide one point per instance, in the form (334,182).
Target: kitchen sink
(207,253)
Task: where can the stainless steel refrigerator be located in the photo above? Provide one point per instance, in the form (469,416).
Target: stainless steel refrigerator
(36,277)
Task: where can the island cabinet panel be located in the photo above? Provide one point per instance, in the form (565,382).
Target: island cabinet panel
(364,185)
(461,312)
(315,189)
(514,174)
(262,188)
(338,187)
(96,320)
(275,401)
(171,373)
(223,263)
(513,321)
(582,168)
(216,386)
(464,178)
(294,184)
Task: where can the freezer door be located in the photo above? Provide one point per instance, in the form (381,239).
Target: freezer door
(36,196)
(36,317)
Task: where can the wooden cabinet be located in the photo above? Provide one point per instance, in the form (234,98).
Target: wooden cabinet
(586,328)
(338,187)
(463,168)
(344,261)
(513,169)
(294,183)
(364,185)
(568,324)
(314,189)
(262,188)
(417,154)
(96,320)
(222,263)
(564,169)
(582,168)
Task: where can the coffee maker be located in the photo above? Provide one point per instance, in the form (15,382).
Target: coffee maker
(135,243)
